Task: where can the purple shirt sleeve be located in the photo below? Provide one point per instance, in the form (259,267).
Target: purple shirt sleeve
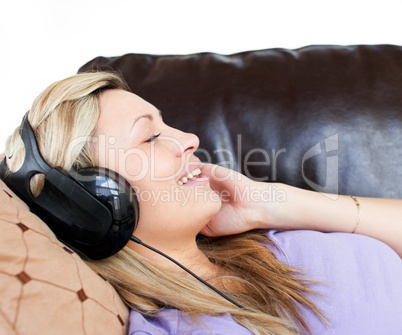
(362,288)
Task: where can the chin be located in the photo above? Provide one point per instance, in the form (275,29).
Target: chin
(203,211)
(209,210)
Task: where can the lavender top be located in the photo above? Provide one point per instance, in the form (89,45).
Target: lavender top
(363,291)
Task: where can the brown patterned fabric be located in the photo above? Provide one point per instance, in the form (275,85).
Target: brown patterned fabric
(45,288)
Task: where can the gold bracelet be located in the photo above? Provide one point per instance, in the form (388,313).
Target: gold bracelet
(358,212)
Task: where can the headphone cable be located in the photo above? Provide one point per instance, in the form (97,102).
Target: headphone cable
(137,240)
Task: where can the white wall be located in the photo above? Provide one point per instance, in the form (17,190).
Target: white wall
(45,40)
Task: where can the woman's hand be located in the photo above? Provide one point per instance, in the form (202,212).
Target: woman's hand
(241,202)
(247,205)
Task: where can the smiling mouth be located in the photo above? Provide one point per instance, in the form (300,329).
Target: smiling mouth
(191,176)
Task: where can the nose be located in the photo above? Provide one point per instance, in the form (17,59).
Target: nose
(191,142)
(188,142)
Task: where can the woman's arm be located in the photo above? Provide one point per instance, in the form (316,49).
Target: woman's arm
(250,205)
(302,209)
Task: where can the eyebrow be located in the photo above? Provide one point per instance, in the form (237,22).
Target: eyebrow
(147,116)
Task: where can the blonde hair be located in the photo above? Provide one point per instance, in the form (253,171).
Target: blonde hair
(272,293)
(64,118)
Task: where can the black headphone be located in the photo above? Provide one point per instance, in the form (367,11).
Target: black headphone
(94,210)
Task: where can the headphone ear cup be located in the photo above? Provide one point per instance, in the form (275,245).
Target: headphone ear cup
(94,211)
(115,193)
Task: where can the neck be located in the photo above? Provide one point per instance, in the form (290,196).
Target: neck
(187,254)
(192,259)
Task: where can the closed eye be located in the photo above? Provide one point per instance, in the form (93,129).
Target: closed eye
(153,138)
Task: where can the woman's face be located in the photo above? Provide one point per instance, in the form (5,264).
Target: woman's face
(154,158)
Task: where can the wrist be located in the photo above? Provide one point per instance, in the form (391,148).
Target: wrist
(270,208)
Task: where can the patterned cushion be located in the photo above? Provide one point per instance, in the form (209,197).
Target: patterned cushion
(44,286)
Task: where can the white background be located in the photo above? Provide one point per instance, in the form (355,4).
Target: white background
(46,40)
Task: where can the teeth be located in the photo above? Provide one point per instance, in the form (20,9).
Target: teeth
(196,172)
(192,174)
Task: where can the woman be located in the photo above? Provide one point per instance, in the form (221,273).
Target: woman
(325,291)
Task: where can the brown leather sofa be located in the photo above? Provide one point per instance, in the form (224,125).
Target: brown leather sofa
(327,118)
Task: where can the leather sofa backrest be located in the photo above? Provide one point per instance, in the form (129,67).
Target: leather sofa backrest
(327,118)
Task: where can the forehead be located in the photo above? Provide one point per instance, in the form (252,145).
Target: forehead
(120,103)
(118,111)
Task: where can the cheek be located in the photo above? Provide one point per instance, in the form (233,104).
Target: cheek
(164,165)
(134,165)
(155,165)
